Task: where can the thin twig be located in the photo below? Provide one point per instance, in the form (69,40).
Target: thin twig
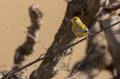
(74,76)
(59,51)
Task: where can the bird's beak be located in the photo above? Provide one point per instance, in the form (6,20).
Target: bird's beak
(71,20)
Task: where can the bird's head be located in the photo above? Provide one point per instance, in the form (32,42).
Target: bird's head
(76,20)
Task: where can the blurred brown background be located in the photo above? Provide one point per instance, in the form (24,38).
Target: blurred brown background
(14,19)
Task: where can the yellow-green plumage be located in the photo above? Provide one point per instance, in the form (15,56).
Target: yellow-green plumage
(78,28)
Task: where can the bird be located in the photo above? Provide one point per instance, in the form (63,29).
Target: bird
(79,28)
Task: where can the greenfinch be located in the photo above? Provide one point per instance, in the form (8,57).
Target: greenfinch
(79,28)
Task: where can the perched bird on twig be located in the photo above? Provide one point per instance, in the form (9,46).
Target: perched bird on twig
(79,28)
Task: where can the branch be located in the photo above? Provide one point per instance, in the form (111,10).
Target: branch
(113,39)
(32,35)
(103,48)
(112,7)
(59,51)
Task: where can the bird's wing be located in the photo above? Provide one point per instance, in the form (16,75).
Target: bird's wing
(83,27)
(79,28)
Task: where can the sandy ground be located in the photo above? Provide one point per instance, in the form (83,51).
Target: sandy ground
(14,15)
